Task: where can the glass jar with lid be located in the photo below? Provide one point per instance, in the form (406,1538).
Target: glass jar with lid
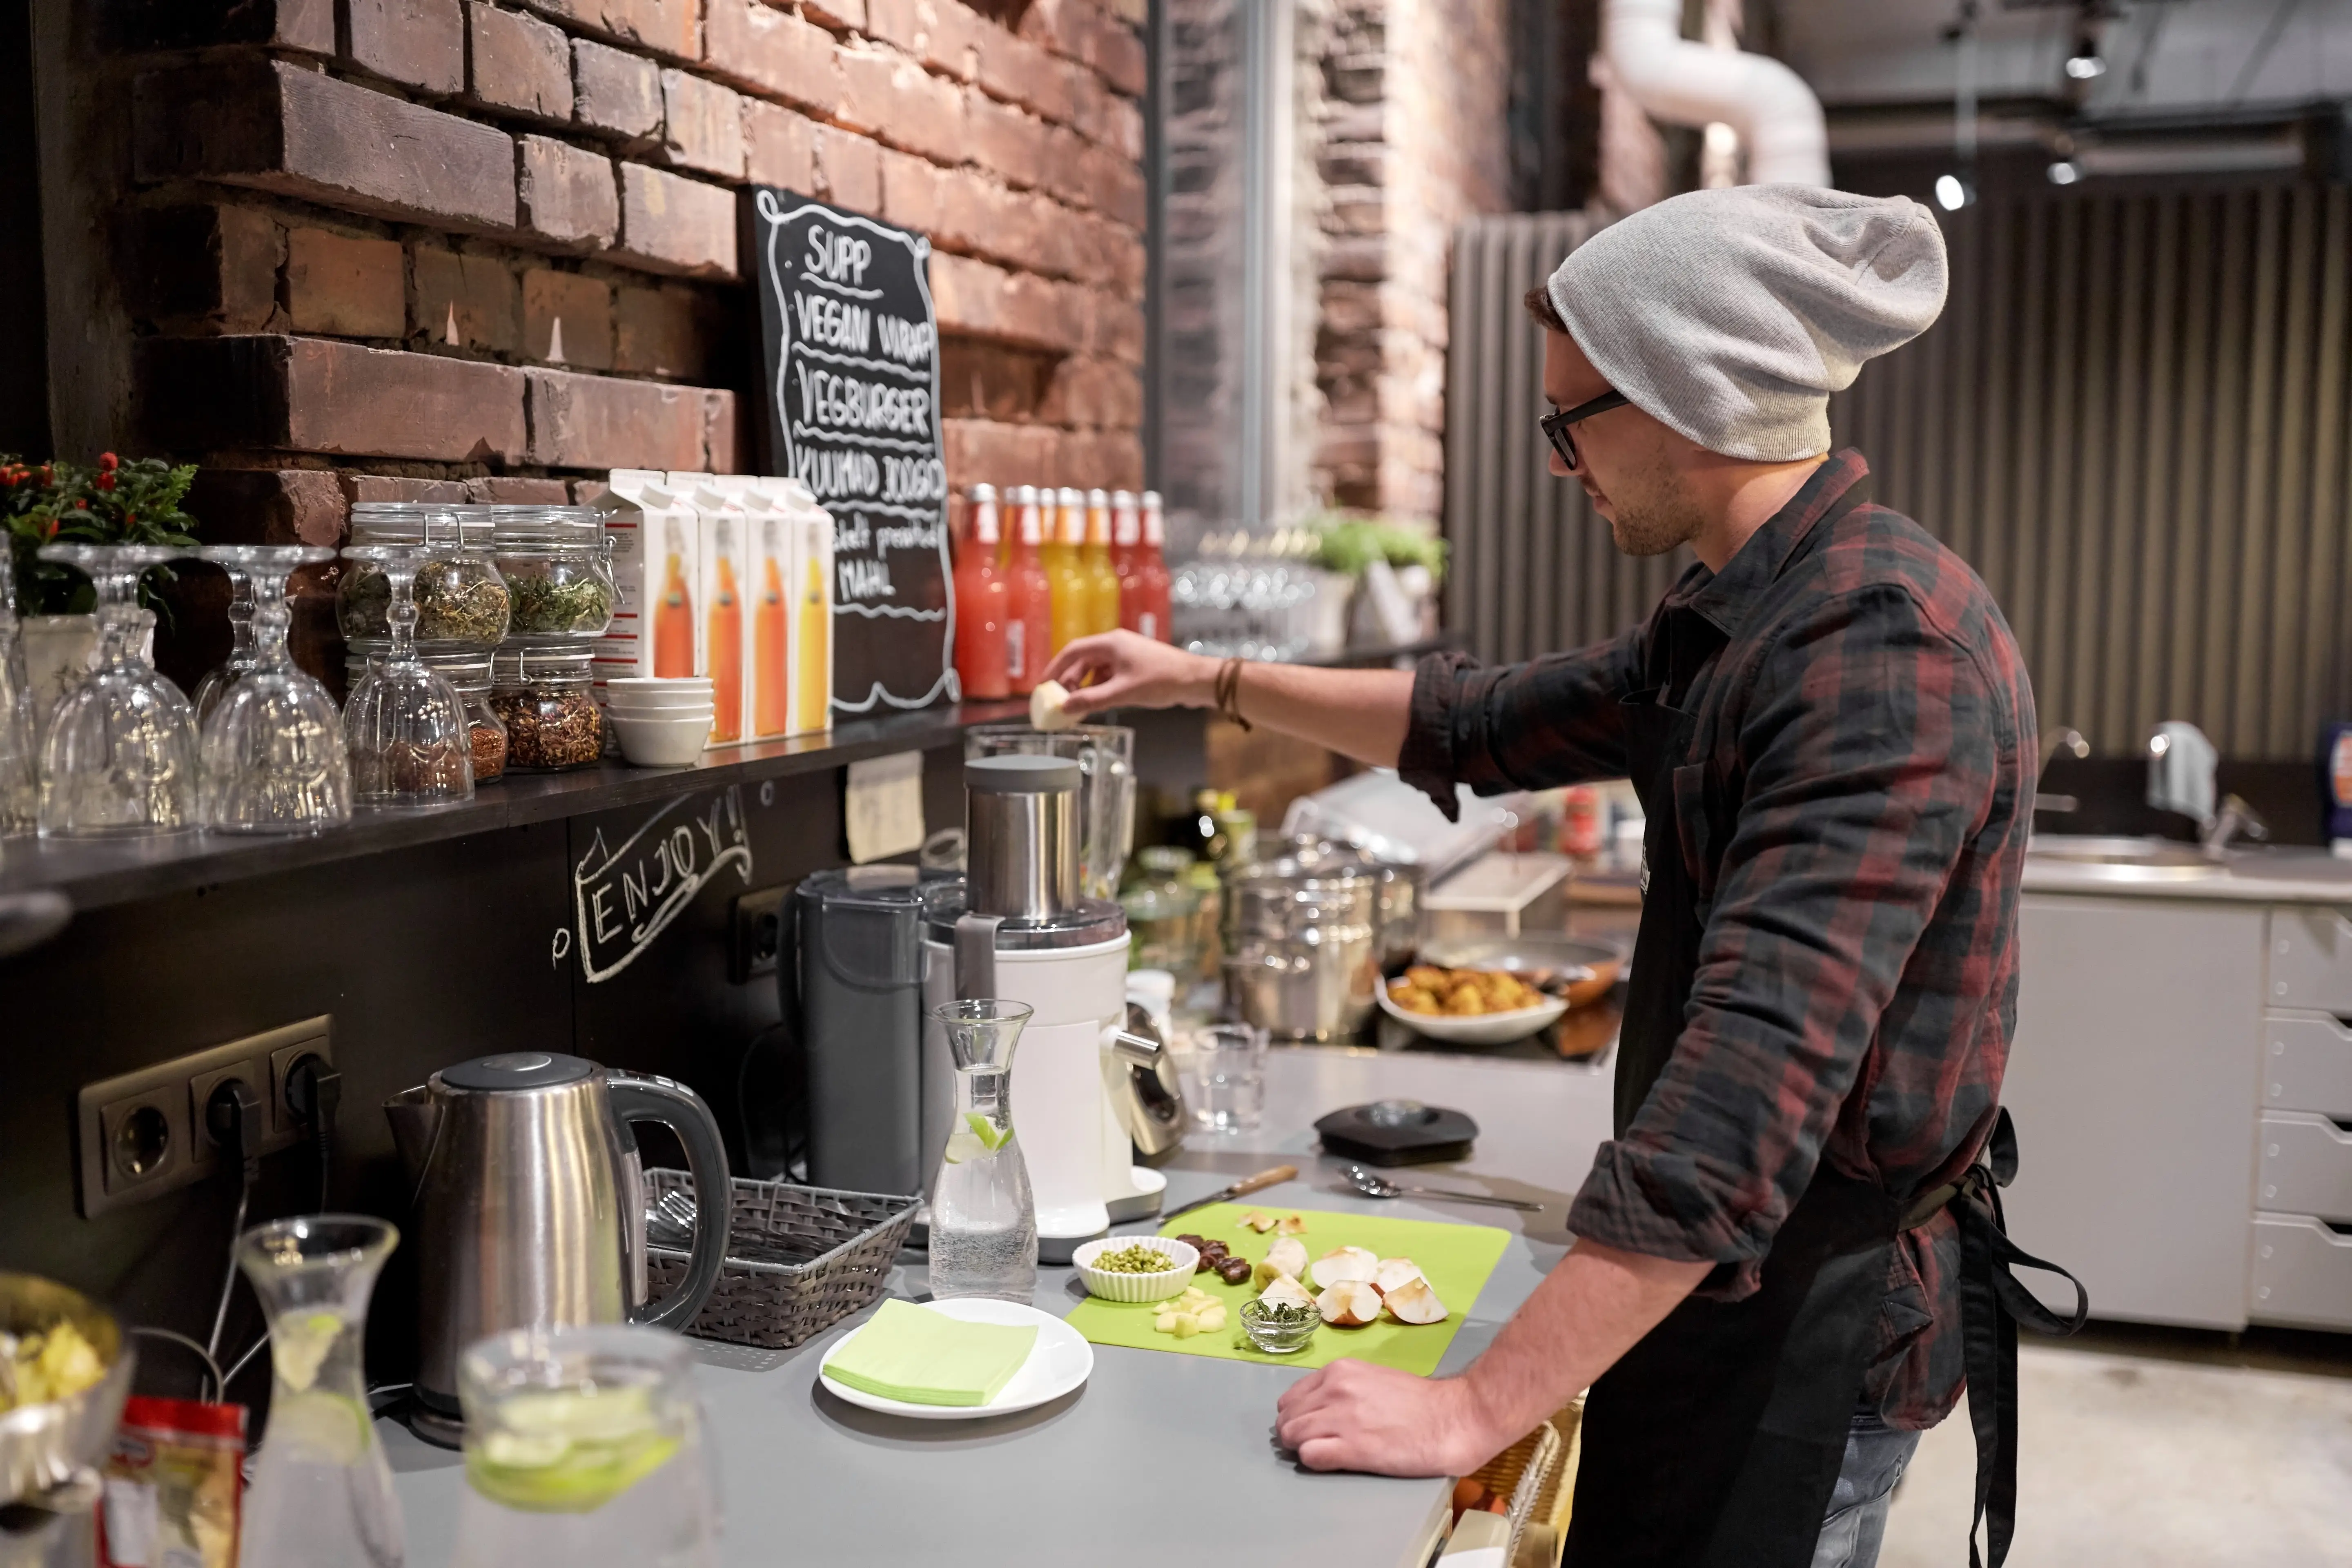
(558,566)
(469,673)
(545,697)
(461,600)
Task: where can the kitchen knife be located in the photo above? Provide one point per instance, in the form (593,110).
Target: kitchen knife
(1245,1186)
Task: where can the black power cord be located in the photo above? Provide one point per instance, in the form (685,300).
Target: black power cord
(314,1092)
(234,1117)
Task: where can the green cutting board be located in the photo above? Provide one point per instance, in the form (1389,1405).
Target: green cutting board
(1454,1259)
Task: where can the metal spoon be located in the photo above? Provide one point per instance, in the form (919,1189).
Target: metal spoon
(1373,1186)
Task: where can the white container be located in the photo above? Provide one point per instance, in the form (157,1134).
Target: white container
(812,615)
(661,742)
(721,530)
(655,632)
(1183,1259)
(1503,893)
(772,528)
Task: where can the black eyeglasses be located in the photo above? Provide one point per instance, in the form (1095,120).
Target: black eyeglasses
(1554,425)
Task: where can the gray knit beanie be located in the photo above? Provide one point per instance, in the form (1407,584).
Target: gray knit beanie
(1731,315)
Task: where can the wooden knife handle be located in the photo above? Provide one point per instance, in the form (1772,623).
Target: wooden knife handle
(1264,1179)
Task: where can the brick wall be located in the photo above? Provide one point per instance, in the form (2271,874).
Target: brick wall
(350,250)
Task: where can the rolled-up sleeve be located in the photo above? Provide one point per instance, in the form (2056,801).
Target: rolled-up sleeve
(1872,743)
(1553,720)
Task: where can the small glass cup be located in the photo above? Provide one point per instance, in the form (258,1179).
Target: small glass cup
(404,725)
(272,750)
(1225,1077)
(119,758)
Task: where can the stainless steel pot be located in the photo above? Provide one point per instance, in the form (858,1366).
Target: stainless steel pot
(1303,960)
(1403,886)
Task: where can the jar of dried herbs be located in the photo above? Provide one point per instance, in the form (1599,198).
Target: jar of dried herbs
(461,601)
(558,567)
(544,698)
(469,673)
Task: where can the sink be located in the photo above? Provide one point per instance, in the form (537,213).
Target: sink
(2125,860)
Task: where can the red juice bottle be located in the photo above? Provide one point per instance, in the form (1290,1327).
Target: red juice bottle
(1125,551)
(1152,573)
(984,595)
(1029,614)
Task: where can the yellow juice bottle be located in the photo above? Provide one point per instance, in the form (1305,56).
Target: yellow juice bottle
(1102,574)
(812,641)
(771,687)
(726,643)
(1066,576)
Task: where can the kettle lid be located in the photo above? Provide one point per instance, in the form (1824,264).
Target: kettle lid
(517,1070)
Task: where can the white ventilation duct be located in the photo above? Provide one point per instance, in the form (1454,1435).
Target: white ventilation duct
(1686,83)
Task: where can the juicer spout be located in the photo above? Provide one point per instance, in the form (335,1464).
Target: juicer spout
(414,1120)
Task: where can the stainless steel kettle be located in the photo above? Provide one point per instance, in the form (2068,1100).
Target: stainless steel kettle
(529,1207)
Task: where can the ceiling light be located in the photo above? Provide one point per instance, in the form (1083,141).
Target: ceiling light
(2066,172)
(2085,65)
(1953,193)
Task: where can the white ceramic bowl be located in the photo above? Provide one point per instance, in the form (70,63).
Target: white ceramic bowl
(627,709)
(661,695)
(662,743)
(659,683)
(1476,1028)
(1182,1260)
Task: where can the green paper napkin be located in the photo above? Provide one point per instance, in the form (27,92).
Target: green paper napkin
(921,1357)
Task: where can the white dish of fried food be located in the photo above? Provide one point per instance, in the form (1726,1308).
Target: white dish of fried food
(1469,1006)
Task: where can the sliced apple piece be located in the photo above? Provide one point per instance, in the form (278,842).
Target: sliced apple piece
(1345,1264)
(1414,1302)
(1284,1291)
(1048,707)
(1292,1224)
(1288,1255)
(1349,1304)
(1258,1220)
(1393,1272)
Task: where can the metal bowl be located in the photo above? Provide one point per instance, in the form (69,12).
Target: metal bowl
(44,1447)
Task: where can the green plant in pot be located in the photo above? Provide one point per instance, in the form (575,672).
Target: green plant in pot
(113,503)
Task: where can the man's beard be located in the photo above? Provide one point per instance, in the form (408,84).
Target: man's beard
(1655,512)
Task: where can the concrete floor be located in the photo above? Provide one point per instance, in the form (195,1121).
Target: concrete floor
(2155,1449)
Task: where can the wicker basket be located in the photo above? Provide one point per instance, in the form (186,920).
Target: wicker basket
(1538,1473)
(799,1260)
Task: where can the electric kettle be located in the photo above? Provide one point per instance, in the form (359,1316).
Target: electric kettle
(530,1207)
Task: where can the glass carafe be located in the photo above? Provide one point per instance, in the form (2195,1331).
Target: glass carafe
(272,749)
(983,1224)
(121,754)
(585,1446)
(321,1492)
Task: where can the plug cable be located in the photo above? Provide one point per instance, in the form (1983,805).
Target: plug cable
(233,1117)
(314,1092)
(219,1384)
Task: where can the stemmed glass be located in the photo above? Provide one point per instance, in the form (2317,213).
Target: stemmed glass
(405,726)
(272,749)
(218,679)
(19,752)
(121,754)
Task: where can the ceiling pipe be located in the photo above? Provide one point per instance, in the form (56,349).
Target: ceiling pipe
(1686,83)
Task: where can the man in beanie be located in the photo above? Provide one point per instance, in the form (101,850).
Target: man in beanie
(1832,733)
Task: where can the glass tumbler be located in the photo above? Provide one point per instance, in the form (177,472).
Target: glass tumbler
(120,757)
(405,726)
(585,1446)
(272,750)
(984,1215)
(1225,1072)
(321,1491)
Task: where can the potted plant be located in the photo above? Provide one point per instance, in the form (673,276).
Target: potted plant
(115,502)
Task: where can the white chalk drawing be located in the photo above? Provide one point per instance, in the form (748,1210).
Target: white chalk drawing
(625,896)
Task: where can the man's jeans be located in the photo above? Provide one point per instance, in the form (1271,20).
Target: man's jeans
(1875,1456)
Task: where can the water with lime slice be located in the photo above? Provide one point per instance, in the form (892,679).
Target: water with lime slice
(983,1236)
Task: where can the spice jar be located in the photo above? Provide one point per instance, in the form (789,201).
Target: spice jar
(557,561)
(543,696)
(469,673)
(461,600)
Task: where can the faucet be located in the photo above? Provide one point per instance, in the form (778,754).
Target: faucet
(2067,739)
(2181,763)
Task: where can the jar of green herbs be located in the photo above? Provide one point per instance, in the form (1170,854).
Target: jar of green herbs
(558,567)
(461,600)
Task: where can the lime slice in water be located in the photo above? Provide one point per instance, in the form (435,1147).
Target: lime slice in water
(985,1131)
(298,1343)
(963,1146)
(326,1428)
(567,1451)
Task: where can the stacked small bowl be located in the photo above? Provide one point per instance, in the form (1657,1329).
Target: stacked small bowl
(661,722)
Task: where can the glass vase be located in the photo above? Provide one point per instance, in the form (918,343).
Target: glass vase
(983,1217)
(321,1492)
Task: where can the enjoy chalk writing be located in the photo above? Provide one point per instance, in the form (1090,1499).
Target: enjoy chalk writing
(624,898)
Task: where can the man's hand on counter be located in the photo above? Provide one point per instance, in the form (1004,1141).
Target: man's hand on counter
(1351,1416)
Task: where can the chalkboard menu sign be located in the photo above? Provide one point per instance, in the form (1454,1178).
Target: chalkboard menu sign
(851,355)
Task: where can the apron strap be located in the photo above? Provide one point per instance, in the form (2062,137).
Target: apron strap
(1992,1303)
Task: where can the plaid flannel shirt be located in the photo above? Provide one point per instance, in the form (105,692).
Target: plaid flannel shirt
(1853,814)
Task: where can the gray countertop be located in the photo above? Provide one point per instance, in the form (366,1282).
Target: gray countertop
(2289,874)
(1181,1441)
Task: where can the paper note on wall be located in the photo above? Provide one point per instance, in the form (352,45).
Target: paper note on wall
(882,807)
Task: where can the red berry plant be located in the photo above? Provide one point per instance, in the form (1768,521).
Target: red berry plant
(113,502)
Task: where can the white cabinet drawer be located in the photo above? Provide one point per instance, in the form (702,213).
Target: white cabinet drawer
(2307,1064)
(2311,959)
(2303,1272)
(2306,1165)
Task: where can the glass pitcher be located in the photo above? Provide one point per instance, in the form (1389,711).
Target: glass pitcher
(984,1215)
(321,1491)
(585,1447)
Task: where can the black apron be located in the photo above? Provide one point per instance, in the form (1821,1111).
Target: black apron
(1717,1439)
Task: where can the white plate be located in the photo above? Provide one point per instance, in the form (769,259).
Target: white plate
(1476,1028)
(1059,1362)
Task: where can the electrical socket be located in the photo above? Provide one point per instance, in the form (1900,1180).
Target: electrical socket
(143,1134)
(757,932)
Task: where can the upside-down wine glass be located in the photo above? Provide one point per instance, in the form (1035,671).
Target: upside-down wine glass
(208,694)
(272,749)
(121,754)
(20,771)
(404,725)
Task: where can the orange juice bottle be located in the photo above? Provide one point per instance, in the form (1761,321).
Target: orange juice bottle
(771,684)
(674,616)
(726,641)
(1073,597)
(1029,618)
(812,641)
(1102,576)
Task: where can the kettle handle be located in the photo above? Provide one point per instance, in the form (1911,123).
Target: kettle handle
(636,1098)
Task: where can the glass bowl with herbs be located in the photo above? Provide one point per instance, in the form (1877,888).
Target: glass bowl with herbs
(461,600)
(1279,1328)
(558,566)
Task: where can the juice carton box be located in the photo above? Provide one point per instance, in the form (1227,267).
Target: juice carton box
(721,538)
(657,567)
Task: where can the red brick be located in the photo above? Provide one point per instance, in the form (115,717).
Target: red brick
(983,451)
(305,24)
(902,104)
(722,440)
(702,125)
(348,288)
(1093,393)
(515,489)
(314,394)
(772,51)
(210,267)
(1099,459)
(1006,139)
(670,28)
(567,319)
(417,42)
(1115,188)
(659,332)
(566,195)
(1115,326)
(1124,62)
(358,488)
(842,16)
(268,506)
(1014,70)
(516,63)
(943,34)
(615,90)
(588,492)
(464,302)
(671,223)
(982,301)
(1065,166)
(781,147)
(848,170)
(603,421)
(278,127)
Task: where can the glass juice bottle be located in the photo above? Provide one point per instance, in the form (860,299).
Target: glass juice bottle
(726,638)
(674,616)
(1152,573)
(1125,548)
(1102,577)
(984,1215)
(1029,627)
(1064,572)
(982,598)
(770,672)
